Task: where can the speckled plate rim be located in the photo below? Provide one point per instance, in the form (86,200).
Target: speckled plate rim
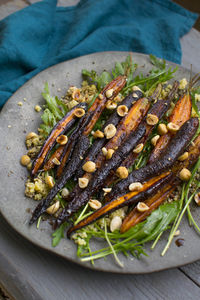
(16,214)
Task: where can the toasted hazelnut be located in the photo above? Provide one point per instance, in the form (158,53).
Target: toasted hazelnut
(65,193)
(185,174)
(79,112)
(141,207)
(109,93)
(19,103)
(76,94)
(135,186)
(122,110)
(115,223)
(173,128)
(100,96)
(184,156)
(83,182)
(25,160)
(117,99)
(89,166)
(31,135)
(136,88)
(122,172)
(152,119)
(135,95)
(107,190)
(109,153)
(177,233)
(56,161)
(111,105)
(138,148)
(53,208)
(197,199)
(38,108)
(49,181)
(155,139)
(95,204)
(104,151)
(98,134)
(162,129)
(62,139)
(109,131)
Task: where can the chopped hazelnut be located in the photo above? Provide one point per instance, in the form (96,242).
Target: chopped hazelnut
(122,110)
(79,112)
(162,129)
(173,128)
(109,153)
(138,148)
(184,156)
(38,108)
(122,172)
(98,134)
(109,93)
(89,166)
(83,182)
(56,161)
(62,139)
(49,181)
(115,223)
(100,96)
(111,105)
(154,140)
(109,131)
(104,151)
(185,174)
(141,207)
(95,204)
(53,208)
(135,186)
(25,160)
(152,119)
(197,199)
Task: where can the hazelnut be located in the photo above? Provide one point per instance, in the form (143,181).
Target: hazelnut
(173,128)
(31,135)
(111,105)
(109,131)
(62,139)
(135,186)
(136,88)
(162,129)
(95,204)
(152,119)
(138,148)
(65,193)
(56,161)
(115,223)
(184,156)
(38,108)
(109,93)
(107,190)
(122,110)
(89,166)
(185,174)
(83,182)
(141,207)
(100,97)
(98,134)
(109,153)
(117,99)
(25,160)
(53,208)
(79,112)
(197,199)
(104,151)
(49,181)
(122,172)
(154,140)
(135,95)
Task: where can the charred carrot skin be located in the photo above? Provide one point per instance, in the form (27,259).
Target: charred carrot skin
(135,217)
(114,119)
(181,113)
(61,127)
(56,155)
(86,125)
(149,188)
(175,148)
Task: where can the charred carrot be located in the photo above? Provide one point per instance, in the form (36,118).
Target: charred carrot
(61,127)
(149,188)
(55,156)
(181,113)
(83,142)
(175,148)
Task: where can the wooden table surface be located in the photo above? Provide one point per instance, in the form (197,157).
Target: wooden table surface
(28,272)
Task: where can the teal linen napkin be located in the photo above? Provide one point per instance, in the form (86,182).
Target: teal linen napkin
(42,34)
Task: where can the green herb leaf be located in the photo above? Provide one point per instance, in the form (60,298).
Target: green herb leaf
(58,234)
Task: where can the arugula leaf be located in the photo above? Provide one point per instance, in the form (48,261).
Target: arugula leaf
(158,63)
(58,234)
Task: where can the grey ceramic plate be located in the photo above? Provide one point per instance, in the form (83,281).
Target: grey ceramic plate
(14,204)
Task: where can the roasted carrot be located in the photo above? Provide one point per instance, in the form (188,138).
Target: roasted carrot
(56,155)
(149,188)
(175,148)
(62,126)
(180,114)
(82,145)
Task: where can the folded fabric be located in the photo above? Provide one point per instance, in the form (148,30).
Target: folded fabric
(42,34)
